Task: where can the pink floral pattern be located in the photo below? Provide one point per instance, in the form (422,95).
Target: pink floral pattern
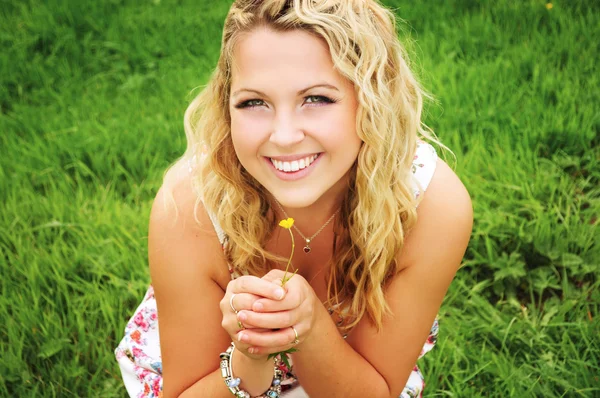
(138,353)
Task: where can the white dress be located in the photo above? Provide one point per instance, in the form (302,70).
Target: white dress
(139,356)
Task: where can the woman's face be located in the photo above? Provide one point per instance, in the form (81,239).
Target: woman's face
(293,117)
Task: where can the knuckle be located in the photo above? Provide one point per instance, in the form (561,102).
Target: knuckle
(252,299)
(296,301)
(247,301)
(241,283)
(237,302)
(301,297)
(244,283)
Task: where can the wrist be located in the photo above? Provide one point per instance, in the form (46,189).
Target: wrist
(248,377)
(243,360)
(320,318)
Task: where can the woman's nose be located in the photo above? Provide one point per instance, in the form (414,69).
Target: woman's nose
(286,132)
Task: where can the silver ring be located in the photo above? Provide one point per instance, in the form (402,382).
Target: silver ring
(231,303)
(296,341)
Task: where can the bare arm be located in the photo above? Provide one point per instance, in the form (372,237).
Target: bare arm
(189,274)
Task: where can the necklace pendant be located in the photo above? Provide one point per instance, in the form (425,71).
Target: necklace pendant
(307,247)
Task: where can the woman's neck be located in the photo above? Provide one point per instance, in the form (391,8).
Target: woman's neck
(311,218)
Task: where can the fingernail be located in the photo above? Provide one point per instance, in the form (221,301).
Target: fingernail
(242,337)
(279,292)
(242,316)
(258,306)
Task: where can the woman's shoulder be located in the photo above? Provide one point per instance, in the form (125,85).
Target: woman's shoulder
(176,203)
(446,193)
(445,214)
(182,239)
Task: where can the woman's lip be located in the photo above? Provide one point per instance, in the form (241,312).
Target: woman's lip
(294,175)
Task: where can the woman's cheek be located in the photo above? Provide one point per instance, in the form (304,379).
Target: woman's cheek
(250,127)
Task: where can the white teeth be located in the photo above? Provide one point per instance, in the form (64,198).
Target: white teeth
(294,165)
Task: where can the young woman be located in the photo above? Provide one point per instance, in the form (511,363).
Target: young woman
(313,114)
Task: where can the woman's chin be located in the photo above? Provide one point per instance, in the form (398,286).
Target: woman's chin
(296,200)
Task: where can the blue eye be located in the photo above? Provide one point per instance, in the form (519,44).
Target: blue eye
(253,103)
(316,99)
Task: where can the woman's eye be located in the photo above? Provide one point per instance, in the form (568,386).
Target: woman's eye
(316,99)
(250,103)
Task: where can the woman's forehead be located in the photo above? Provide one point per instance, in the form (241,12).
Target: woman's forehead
(268,56)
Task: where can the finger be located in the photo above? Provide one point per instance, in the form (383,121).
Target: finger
(264,305)
(279,338)
(274,276)
(232,325)
(237,330)
(242,301)
(268,320)
(257,286)
(277,276)
(292,300)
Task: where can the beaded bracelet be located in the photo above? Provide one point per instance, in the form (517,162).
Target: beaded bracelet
(233,382)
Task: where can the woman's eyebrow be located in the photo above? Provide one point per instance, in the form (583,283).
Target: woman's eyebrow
(304,90)
(249,90)
(318,85)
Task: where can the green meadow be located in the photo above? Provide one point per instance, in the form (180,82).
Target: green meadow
(92,96)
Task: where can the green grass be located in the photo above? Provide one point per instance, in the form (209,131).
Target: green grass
(92,96)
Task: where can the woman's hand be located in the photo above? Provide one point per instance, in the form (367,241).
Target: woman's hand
(295,311)
(240,296)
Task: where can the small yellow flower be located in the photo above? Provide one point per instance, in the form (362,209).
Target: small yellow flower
(287,224)
(549,6)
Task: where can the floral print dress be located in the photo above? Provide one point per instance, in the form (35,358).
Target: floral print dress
(138,353)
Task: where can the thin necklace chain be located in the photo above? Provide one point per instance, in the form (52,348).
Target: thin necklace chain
(308,240)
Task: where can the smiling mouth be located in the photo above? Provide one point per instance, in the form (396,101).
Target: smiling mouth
(295,165)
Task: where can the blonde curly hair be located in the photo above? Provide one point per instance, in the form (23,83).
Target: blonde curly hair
(380,207)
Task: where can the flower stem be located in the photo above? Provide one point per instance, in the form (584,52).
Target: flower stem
(285,278)
(287,224)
